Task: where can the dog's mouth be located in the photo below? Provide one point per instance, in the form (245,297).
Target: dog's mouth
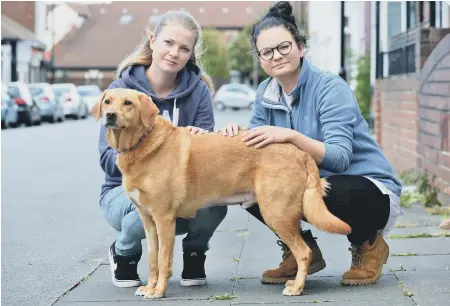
(114,125)
(111,125)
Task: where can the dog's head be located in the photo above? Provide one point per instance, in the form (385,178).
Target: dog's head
(125,108)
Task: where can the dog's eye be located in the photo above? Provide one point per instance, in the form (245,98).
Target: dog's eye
(128,102)
(107,101)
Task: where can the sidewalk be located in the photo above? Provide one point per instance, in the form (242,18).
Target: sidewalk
(242,249)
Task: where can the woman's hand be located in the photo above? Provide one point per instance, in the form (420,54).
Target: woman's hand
(263,135)
(232,129)
(196,130)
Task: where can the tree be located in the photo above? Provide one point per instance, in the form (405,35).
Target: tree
(214,59)
(362,90)
(240,56)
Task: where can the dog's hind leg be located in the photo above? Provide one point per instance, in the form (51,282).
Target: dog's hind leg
(153,249)
(284,220)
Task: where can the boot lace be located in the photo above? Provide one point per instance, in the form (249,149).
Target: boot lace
(357,255)
(286,252)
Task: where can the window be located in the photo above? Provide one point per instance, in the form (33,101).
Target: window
(411,9)
(394,18)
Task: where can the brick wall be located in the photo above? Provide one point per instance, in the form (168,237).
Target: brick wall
(433,145)
(23,12)
(412,111)
(396,120)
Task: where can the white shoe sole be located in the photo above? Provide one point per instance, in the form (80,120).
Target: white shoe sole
(119,283)
(193,282)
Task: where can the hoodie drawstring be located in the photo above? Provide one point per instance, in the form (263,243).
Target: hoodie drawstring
(175,113)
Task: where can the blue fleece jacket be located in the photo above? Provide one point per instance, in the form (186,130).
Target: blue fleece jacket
(188,104)
(325,109)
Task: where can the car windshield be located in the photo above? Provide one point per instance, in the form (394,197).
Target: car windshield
(14,92)
(59,91)
(89,91)
(36,91)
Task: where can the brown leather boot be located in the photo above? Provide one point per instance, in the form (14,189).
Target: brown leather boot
(367,262)
(287,269)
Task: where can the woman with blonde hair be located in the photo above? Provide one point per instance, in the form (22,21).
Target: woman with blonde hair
(164,66)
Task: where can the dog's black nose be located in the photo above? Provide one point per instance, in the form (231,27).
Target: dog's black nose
(111,116)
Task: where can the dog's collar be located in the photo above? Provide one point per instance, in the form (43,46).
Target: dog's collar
(146,133)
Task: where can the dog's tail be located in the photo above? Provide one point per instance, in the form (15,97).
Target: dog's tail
(314,208)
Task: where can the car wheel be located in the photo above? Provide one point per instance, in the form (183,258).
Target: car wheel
(38,120)
(53,118)
(77,115)
(220,106)
(86,112)
(9,124)
(28,119)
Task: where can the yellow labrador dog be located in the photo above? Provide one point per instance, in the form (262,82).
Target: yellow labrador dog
(169,173)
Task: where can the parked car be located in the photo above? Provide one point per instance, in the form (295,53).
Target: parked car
(10,110)
(51,108)
(74,105)
(29,111)
(90,94)
(234,96)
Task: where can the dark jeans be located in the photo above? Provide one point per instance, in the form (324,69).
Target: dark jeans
(356,201)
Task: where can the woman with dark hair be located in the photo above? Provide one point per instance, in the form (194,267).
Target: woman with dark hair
(317,112)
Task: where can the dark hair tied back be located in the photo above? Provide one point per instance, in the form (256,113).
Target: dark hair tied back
(282,10)
(280,14)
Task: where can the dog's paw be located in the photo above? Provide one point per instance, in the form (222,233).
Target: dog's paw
(292,291)
(145,291)
(156,295)
(290,283)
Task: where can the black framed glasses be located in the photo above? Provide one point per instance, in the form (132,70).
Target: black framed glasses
(267,53)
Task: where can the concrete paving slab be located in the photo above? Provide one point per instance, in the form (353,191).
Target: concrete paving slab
(321,288)
(428,287)
(149,302)
(416,215)
(405,301)
(419,263)
(424,246)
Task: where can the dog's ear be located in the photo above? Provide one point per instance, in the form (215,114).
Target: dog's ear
(97,108)
(148,109)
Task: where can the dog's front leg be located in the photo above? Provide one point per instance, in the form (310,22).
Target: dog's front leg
(165,226)
(153,249)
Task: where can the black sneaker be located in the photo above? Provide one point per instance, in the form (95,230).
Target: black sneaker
(123,269)
(193,269)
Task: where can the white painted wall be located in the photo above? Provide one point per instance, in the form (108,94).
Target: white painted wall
(445,14)
(40,20)
(355,11)
(64,18)
(324,42)
(324,24)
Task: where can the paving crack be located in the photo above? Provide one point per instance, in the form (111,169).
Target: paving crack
(405,290)
(82,280)
(240,256)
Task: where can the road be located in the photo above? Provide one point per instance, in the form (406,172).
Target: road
(53,231)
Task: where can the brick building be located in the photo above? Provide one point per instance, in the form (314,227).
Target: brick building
(22,49)
(411,100)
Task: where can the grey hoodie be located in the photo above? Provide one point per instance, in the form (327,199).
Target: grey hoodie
(188,104)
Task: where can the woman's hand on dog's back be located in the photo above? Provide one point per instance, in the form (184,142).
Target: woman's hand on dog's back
(196,130)
(232,129)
